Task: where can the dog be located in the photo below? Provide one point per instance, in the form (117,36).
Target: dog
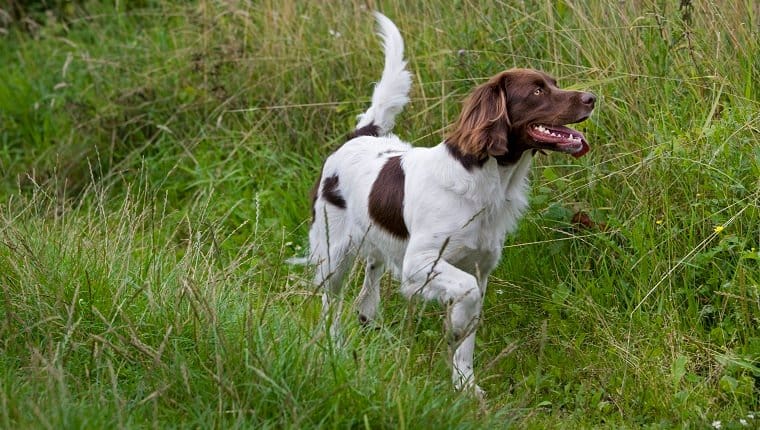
(436,217)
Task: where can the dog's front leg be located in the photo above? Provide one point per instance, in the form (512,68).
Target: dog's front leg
(427,275)
(462,360)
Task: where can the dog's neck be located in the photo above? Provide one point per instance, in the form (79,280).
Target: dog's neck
(475,161)
(484,180)
(468,161)
(514,176)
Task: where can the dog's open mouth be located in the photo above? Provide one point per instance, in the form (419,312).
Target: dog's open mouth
(559,138)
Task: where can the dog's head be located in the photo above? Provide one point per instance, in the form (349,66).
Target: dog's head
(518,110)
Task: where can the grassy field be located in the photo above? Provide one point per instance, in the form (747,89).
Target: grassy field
(155,162)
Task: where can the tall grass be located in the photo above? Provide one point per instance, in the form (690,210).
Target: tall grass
(156,160)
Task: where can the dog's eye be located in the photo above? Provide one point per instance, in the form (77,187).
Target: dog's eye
(538,91)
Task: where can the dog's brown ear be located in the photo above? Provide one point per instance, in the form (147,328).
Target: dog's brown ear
(483,125)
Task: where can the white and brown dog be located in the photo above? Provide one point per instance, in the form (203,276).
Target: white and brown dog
(436,217)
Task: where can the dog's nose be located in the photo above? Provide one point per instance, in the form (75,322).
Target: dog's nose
(588,99)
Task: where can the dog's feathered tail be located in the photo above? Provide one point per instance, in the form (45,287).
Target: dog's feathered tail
(392,92)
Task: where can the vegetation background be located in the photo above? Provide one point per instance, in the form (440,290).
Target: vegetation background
(155,162)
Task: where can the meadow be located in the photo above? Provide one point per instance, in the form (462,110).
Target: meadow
(155,164)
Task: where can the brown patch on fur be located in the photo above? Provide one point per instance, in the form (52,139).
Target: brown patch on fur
(330,192)
(386,199)
(368,130)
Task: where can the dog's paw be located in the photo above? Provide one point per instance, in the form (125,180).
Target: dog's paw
(364,320)
(478,392)
(367,323)
(466,385)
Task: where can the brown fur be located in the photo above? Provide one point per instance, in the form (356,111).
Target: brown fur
(368,130)
(483,124)
(330,192)
(386,199)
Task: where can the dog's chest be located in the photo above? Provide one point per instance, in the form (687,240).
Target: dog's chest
(476,246)
(482,239)
(500,201)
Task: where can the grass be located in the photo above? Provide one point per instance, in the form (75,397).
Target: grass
(155,162)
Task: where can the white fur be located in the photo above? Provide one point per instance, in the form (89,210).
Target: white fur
(457,219)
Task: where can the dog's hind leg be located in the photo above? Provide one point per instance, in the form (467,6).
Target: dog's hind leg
(333,254)
(329,277)
(369,297)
